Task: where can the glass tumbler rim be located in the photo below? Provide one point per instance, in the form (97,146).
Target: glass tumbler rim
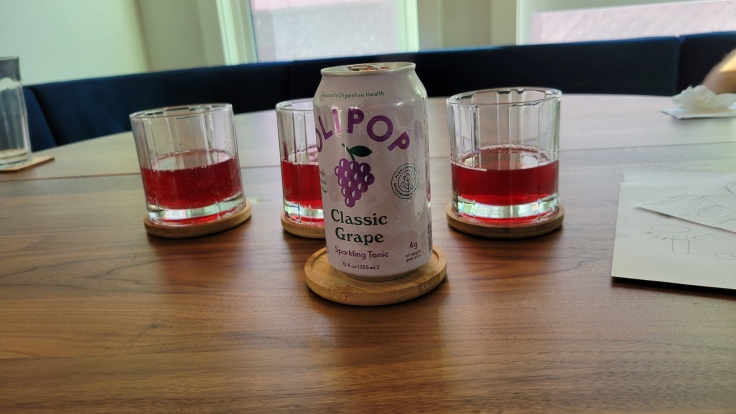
(179,110)
(295,105)
(462,99)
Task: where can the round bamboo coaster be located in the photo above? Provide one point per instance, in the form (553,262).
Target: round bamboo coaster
(336,286)
(302,230)
(196,230)
(513,231)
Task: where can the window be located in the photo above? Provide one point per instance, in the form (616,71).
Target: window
(286,30)
(626,21)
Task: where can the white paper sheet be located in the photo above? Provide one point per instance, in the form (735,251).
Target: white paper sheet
(688,114)
(700,102)
(711,203)
(657,247)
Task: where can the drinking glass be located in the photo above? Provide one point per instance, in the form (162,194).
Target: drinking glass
(15,144)
(504,146)
(299,168)
(188,157)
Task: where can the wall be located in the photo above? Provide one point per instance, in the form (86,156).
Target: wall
(71,39)
(503,22)
(466,23)
(181,33)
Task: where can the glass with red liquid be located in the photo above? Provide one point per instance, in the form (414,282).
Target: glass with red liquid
(299,168)
(189,163)
(504,146)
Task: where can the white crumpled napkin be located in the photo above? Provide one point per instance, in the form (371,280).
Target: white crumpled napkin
(700,102)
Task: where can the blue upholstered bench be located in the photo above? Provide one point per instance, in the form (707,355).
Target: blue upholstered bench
(38,128)
(699,53)
(637,66)
(71,111)
(87,108)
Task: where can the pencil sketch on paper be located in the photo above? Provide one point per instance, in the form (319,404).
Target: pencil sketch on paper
(712,204)
(675,236)
(663,246)
(686,238)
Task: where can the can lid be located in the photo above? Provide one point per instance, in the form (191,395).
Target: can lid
(363,69)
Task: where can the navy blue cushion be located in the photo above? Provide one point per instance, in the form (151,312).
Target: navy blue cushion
(646,66)
(699,53)
(38,128)
(638,66)
(87,108)
(252,87)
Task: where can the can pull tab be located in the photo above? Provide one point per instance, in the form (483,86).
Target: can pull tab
(364,67)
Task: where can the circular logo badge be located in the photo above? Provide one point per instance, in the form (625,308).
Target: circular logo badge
(406,180)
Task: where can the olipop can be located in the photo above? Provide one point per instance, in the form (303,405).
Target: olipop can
(373,151)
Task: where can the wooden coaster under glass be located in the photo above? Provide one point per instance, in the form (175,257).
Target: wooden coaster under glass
(302,230)
(196,230)
(334,285)
(511,231)
(31,163)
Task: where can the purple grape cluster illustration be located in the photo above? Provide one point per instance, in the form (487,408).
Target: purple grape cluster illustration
(354,177)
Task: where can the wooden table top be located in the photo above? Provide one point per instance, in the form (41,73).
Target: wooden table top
(98,316)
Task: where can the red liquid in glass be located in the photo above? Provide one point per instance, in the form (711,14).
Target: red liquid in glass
(302,187)
(505,176)
(207,178)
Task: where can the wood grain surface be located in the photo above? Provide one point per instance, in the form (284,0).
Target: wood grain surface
(97,316)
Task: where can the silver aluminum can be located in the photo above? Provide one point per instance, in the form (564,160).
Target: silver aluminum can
(371,122)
